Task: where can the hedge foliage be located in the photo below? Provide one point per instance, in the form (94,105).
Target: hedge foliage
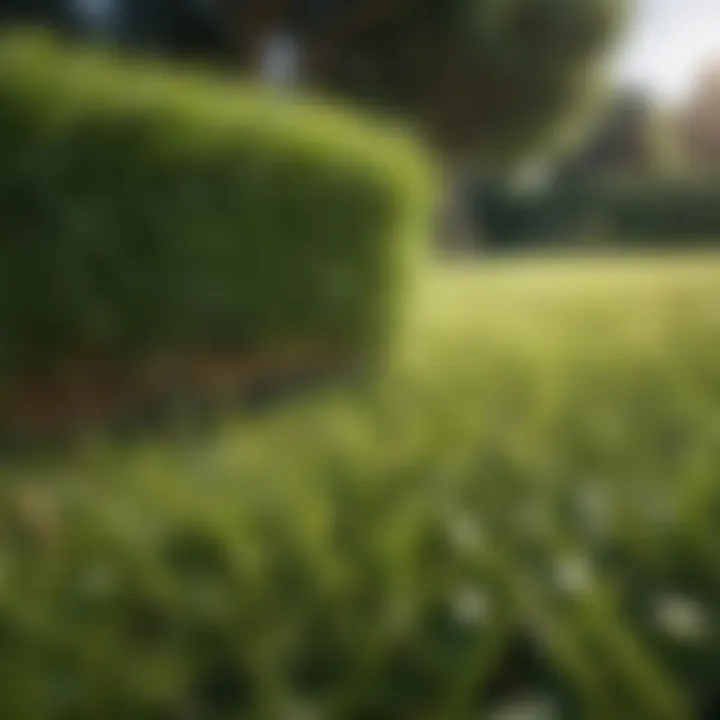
(630,212)
(147,208)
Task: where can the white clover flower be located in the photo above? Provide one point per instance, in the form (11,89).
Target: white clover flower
(526,708)
(681,618)
(466,534)
(573,574)
(471,606)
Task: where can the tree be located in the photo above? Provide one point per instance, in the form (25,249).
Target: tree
(634,138)
(487,76)
(485,80)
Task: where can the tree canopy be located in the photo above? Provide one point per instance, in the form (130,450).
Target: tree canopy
(490,76)
(634,138)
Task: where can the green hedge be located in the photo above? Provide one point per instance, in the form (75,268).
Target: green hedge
(144,208)
(665,211)
(631,212)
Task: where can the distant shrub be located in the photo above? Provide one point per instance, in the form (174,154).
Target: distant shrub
(631,212)
(665,211)
(147,209)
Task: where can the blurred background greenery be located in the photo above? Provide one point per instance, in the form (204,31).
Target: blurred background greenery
(479,236)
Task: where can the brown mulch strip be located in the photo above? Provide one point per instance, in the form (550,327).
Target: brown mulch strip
(94,395)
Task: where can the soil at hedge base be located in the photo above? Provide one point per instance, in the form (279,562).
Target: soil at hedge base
(94,395)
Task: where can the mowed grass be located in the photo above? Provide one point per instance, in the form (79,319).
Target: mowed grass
(523,515)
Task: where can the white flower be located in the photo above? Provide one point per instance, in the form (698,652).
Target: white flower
(573,574)
(681,618)
(526,708)
(471,606)
(465,534)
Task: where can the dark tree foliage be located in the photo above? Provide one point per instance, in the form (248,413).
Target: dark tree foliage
(634,139)
(492,76)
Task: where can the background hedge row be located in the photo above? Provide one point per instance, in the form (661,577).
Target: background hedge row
(631,212)
(143,209)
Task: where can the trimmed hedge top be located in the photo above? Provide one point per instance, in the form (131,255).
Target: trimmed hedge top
(146,209)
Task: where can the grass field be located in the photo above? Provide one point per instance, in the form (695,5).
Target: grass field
(523,516)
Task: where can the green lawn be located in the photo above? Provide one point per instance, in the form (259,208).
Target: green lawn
(526,508)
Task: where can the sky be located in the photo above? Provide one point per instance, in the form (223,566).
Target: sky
(668,43)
